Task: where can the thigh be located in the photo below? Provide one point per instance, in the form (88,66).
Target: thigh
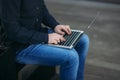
(44,54)
(82,46)
(83,43)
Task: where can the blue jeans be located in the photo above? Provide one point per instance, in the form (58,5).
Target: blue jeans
(71,61)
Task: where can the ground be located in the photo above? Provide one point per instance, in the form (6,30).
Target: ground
(103,62)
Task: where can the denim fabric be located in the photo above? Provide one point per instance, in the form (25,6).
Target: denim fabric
(71,61)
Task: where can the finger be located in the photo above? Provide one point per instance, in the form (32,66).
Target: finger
(62,39)
(61,32)
(58,40)
(55,42)
(68,29)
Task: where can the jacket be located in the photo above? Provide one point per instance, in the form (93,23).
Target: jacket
(22,20)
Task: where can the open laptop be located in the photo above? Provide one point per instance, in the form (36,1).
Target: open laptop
(71,40)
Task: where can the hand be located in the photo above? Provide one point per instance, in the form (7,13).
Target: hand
(62,29)
(55,38)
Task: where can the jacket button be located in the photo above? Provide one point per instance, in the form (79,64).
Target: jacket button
(37,19)
(37,8)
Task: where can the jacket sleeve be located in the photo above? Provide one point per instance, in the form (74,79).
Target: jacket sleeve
(15,32)
(48,19)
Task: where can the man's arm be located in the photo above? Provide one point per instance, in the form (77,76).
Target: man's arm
(10,19)
(48,19)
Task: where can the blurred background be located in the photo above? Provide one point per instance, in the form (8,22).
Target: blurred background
(103,60)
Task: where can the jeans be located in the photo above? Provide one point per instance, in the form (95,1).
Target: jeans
(71,61)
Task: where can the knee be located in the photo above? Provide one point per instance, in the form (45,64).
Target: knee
(73,58)
(84,39)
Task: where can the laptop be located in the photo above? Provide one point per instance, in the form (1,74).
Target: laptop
(71,40)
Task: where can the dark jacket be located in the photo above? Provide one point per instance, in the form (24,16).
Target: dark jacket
(22,21)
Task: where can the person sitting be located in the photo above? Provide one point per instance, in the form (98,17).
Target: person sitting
(23,22)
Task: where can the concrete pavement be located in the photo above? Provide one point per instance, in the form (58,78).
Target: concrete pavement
(103,62)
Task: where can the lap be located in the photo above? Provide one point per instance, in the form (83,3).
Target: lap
(44,51)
